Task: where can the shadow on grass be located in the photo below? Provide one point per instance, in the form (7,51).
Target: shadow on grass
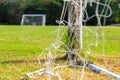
(19,61)
(27,61)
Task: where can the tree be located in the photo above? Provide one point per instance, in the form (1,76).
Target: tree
(11,10)
(4,14)
(48,7)
(115,7)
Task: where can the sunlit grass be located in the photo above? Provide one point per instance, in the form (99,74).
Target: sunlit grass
(21,45)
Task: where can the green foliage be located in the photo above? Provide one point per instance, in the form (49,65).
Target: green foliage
(4,13)
(116,11)
(11,10)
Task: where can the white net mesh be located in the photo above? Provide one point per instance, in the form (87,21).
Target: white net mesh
(33,19)
(79,44)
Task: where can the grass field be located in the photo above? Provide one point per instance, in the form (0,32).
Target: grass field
(21,45)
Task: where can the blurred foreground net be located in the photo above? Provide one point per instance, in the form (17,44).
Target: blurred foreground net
(75,43)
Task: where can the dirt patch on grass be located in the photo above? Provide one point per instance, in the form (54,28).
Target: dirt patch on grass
(15,69)
(110,63)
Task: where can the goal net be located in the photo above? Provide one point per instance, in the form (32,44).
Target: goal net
(79,45)
(33,19)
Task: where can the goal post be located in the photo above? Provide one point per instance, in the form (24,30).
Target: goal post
(33,19)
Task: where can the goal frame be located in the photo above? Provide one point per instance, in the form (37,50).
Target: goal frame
(34,15)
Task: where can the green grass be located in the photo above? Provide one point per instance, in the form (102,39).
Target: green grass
(20,46)
(112,41)
(112,44)
(19,43)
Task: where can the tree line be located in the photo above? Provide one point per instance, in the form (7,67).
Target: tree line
(11,11)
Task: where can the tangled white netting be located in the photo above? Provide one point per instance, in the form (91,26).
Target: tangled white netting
(78,44)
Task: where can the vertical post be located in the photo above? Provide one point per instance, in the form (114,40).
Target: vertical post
(75,16)
(80,24)
(119,5)
(44,20)
(69,14)
(22,20)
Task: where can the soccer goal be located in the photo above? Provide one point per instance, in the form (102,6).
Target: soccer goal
(33,19)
